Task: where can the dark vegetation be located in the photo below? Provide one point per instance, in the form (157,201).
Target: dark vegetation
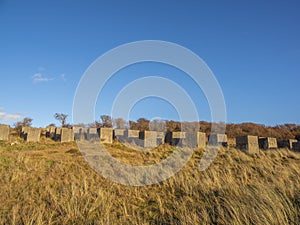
(285,131)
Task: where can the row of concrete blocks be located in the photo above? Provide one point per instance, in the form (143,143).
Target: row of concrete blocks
(67,135)
(248,143)
(145,139)
(30,134)
(252,144)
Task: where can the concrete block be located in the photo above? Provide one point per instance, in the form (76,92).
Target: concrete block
(92,134)
(267,143)
(132,133)
(286,143)
(24,131)
(296,146)
(201,140)
(4,132)
(106,135)
(218,139)
(149,139)
(248,144)
(57,135)
(175,138)
(33,134)
(160,137)
(76,129)
(131,136)
(119,133)
(50,131)
(67,135)
(79,133)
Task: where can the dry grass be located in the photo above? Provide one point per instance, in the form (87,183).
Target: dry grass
(50,183)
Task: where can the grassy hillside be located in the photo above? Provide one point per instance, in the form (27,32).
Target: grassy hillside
(50,183)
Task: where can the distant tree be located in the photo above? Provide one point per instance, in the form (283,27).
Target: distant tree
(142,124)
(296,132)
(119,123)
(26,122)
(205,127)
(61,117)
(106,121)
(96,124)
(190,126)
(177,128)
(133,125)
(173,125)
(157,125)
(51,125)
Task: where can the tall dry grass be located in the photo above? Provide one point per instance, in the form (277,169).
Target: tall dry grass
(50,183)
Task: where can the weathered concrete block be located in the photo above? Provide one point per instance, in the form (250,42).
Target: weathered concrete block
(296,146)
(286,143)
(131,136)
(57,135)
(149,139)
(79,133)
(218,139)
(4,132)
(192,139)
(92,134)
(106,135)
(119,133)
(43,132)
(179,135)
(248,143)
(92,130)
(132,133)
(201,140)
(175,138)
(267,143)
(25,129)
(24,132)
(67,135)
(33,134)
(50,131)
(160,137)
(76,129)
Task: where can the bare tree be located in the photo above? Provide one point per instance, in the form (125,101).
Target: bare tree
(96,124)
(120,123)
(61,117)
(26,122)
(106,121)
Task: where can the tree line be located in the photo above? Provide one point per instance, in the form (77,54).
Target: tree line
(285,131)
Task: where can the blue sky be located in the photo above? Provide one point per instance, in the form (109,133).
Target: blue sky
(252,47)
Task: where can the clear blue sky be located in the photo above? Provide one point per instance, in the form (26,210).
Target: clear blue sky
(252,47)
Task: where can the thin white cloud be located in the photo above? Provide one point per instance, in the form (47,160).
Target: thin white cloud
(38,77)
(9,117)
(63,77)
